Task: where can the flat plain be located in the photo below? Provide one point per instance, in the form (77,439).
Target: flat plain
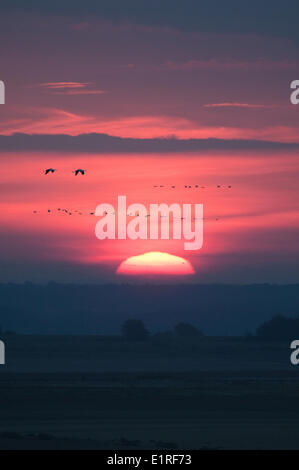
(64,392)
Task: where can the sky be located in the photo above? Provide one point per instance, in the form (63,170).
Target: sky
(144,94)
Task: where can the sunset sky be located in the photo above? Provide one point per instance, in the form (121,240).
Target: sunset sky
(142,98)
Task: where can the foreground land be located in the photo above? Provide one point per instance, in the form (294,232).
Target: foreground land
(92,392)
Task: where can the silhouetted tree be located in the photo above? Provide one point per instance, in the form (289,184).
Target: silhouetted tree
(134,330)
(186,330)
(279,327)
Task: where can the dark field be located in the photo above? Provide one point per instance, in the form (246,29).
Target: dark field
(100,392)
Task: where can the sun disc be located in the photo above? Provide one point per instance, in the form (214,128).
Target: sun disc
(155,263)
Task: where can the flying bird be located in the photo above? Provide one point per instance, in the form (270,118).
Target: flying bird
(50,170)
(79,171)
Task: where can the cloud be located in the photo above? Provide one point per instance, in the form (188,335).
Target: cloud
(235,105)
(57,85)
(61,121)
(103,143)
(253,17)
(80,92)
(71,88)
(216,64)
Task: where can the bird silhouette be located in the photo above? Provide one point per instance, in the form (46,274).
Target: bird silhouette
(79,171)
(50,170)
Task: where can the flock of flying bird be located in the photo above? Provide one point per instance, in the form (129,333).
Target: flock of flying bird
(188,186)
(77,212)
(66,211)
(78,171)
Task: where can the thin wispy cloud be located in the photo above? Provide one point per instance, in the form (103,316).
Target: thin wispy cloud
(235,105)
(213,64)
(63,85)
(71,88)
(80,92)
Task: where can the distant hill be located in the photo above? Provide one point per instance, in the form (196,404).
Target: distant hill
(101,309)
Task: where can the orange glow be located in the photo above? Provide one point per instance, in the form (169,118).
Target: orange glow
(157,263)
(55,120)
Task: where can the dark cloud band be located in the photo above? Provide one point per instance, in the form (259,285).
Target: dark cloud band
(103,143)
(275,18)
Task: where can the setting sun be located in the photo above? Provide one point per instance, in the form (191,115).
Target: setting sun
(156,263)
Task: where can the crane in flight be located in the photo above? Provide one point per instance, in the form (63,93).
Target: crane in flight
(50,170)
(79,171)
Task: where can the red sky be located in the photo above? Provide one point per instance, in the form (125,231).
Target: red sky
(128,80)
